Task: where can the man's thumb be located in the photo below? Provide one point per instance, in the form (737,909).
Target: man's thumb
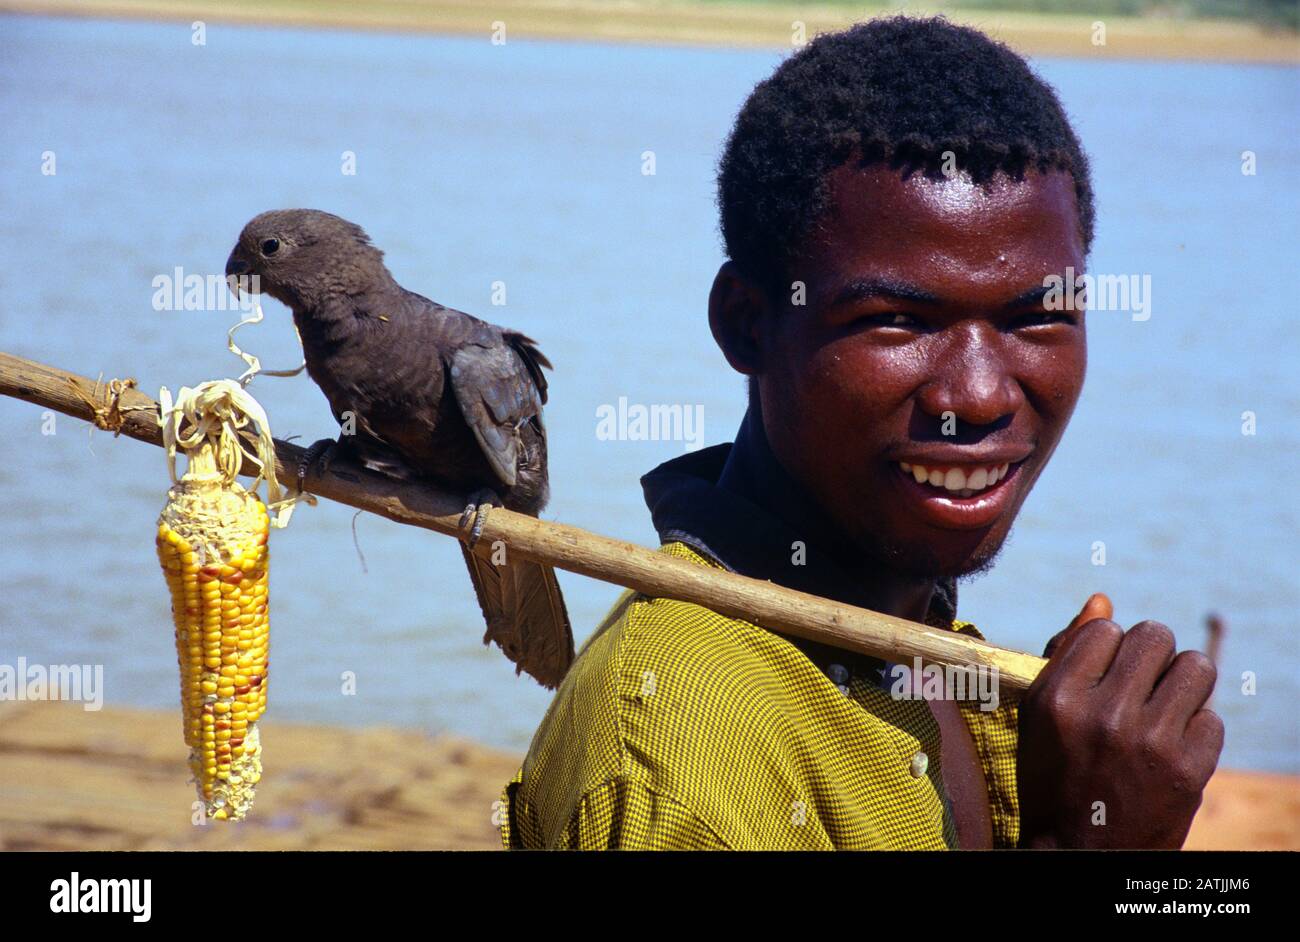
(1097,606)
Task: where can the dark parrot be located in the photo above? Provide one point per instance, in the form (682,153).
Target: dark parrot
(430,393)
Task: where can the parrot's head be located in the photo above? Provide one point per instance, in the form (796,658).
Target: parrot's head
(301,256)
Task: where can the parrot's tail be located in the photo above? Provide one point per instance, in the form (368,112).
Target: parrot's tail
(525,614)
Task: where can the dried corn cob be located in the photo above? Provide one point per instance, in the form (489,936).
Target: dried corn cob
(212,543)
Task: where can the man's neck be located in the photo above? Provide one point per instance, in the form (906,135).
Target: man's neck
(753,472)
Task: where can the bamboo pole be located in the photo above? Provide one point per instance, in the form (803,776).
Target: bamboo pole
(762,603)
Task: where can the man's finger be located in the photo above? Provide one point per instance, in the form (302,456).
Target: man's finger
(1184,689)
(1084,655)
(1205,741)
(1097,606)
(1145,654)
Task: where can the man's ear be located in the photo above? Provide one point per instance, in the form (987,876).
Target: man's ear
(737,311)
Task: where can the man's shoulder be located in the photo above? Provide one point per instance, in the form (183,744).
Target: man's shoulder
(693,653)
(657,664)
(667,696)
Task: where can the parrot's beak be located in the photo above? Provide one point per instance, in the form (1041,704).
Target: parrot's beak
(237,275)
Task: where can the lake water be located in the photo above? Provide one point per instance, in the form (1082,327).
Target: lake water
(522,164)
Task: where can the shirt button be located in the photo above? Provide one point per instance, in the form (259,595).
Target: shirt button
(839,676)
(920,762)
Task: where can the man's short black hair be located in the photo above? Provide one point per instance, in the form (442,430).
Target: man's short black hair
(899,91)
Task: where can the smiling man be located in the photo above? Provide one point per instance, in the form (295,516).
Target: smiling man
(892,201)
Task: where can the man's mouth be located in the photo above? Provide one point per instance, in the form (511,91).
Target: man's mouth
(964,482)
(958,496)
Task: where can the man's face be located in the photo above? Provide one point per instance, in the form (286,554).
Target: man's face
(924,351)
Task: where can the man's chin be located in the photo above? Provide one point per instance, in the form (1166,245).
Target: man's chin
(924,561)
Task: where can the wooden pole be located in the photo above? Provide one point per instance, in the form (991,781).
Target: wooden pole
(787,611)
(1215,630)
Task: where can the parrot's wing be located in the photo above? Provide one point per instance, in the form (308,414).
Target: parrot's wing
(497,394)
(533,358)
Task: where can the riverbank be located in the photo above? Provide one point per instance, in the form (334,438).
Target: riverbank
(116,780)
(697,22)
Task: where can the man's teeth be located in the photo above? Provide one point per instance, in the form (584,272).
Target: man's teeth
(955,480)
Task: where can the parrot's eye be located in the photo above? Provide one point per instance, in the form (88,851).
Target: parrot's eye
(270,246)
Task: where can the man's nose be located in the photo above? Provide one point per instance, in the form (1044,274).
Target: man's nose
(971,380)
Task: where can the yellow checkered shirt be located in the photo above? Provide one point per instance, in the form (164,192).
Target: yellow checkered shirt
(677,728)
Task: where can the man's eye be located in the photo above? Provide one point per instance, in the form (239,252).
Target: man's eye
(893,319)
(1040,318)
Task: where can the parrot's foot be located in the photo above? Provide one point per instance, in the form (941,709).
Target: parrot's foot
(480,502)
(320,453)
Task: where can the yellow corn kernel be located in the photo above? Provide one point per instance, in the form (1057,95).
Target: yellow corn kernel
(212,545)
(203,523)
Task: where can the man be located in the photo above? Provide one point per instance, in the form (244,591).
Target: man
(893,199)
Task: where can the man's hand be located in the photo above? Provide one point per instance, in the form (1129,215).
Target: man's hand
(1115,747)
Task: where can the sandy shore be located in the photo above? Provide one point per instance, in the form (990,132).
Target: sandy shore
(706,23)
(116,780)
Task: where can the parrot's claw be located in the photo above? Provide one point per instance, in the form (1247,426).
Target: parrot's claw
(322,453)
(477,510)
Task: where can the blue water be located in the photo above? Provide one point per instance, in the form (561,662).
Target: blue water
(522,164)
